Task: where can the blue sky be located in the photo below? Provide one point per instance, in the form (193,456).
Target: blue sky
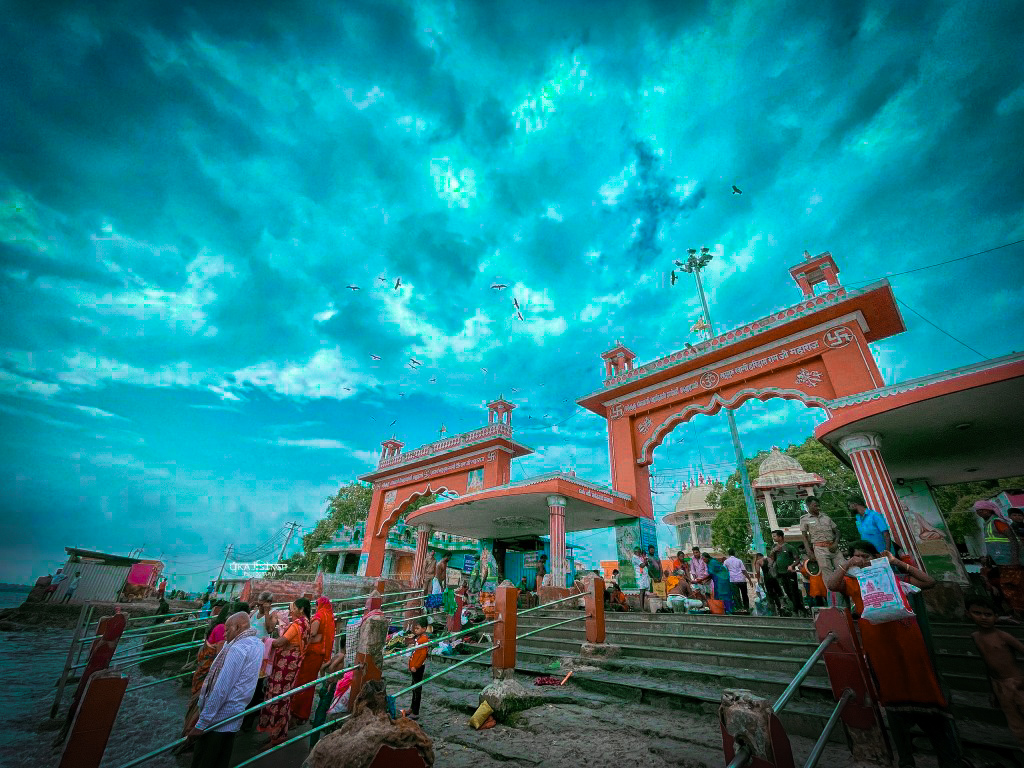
(186,190)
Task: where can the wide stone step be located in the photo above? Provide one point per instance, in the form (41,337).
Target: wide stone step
(669,627)
(559,646)
(805,717)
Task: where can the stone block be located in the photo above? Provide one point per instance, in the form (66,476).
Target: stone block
(599,651)
(508,696)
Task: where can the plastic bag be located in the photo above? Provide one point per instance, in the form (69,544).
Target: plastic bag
(882,594)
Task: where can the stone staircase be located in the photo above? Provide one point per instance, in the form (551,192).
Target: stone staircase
(685,661)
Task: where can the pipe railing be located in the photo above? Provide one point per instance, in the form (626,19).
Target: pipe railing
(143,655)
(798,678)
(240,715)
(819,745)
(743,754)
(577,596)
(158,682)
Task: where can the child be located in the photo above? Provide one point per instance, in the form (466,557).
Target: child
(998,649)
(816,592)
(418,664)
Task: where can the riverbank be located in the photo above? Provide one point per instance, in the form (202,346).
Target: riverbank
(35,615)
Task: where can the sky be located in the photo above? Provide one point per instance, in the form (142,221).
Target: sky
(188,190)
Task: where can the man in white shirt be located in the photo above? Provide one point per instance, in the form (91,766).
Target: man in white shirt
(737,580)
(226,692)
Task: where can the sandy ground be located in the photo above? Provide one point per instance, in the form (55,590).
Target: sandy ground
(570,728)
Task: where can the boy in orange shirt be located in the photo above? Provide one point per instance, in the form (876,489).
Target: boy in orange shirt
(816,592)
(418,664)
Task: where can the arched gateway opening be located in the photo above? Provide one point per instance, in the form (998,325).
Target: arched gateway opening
(815,351)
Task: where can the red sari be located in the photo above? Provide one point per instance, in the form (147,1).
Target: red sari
(313,659)
(274,717)
(898,656)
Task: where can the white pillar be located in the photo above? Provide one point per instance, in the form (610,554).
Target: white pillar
(556,530)
(693,530)
(864,450)
(769,506)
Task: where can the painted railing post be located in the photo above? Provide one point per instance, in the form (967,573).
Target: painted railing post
(848,670)
(90,727)
(100,654)
(593,602)
(503,658)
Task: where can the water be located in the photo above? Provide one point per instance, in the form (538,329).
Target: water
(30,664)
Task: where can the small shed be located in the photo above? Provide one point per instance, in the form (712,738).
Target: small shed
(103,576)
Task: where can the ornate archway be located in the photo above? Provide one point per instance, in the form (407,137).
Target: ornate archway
(814,351)
(471,461)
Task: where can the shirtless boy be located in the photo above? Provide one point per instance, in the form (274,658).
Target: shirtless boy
(998,650)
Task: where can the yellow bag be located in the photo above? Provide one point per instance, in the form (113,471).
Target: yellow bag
(482,713)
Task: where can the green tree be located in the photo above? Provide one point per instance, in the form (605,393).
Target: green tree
(730,528)
(350,505)
(956,502)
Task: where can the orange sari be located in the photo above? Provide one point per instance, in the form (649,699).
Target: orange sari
(314,657)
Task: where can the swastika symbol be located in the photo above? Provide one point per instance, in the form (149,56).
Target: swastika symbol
(838,337)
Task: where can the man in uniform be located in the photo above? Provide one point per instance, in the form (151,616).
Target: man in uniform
(821,539)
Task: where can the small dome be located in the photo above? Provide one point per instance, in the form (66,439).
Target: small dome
(692,500)
(780,470)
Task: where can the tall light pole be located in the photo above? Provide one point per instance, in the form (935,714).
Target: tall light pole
(694,265)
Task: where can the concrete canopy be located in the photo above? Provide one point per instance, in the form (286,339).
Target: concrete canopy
(520,510)
(957,426)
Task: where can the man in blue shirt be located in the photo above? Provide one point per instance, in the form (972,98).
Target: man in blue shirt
(871,525)
(226,692)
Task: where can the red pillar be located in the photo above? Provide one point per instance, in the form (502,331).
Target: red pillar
(594,605)
(91,724)
(876,485)
(422,541)
(556,529)
(504,655)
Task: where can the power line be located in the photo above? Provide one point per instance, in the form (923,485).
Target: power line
(947,333)
(938,263)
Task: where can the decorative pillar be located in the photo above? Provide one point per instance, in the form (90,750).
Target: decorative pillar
(556,529)
(693,531)
(422,540)
(864,450)
(769,506)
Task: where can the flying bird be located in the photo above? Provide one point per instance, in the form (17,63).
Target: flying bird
(674,278)
(433,379)
(736,190)
(483,370)
(393,423)
(516,302)
(499,286)
(679,264)
(375,357)
(520,316)
(348,389)
(414,362)
(352,287)
(382,279)
(398,283)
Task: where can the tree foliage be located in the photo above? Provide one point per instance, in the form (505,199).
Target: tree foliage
(350,505)
(956,502)
(731,529)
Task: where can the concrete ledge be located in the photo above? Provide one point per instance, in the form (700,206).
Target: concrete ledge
(600,651)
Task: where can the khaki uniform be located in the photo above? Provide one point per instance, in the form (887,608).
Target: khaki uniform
(824,538)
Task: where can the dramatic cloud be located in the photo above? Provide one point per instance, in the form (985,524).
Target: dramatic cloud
(225,232)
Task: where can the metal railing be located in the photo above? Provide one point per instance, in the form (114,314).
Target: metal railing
(743,753)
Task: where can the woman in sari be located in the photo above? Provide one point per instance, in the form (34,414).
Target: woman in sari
(214,642)
(318,652)
(287,657)
(898,654)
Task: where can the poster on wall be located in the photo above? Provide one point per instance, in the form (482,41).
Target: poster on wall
(531,559)
(938,552)
(627,536)
(476,479)
(468,563)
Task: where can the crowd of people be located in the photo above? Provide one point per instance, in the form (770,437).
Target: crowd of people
(252,656)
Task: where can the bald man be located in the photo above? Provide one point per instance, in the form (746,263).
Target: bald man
(226,692)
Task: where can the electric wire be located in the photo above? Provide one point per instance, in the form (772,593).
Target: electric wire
(938,263)
(941,330)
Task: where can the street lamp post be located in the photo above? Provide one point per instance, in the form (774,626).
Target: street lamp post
(694,265)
